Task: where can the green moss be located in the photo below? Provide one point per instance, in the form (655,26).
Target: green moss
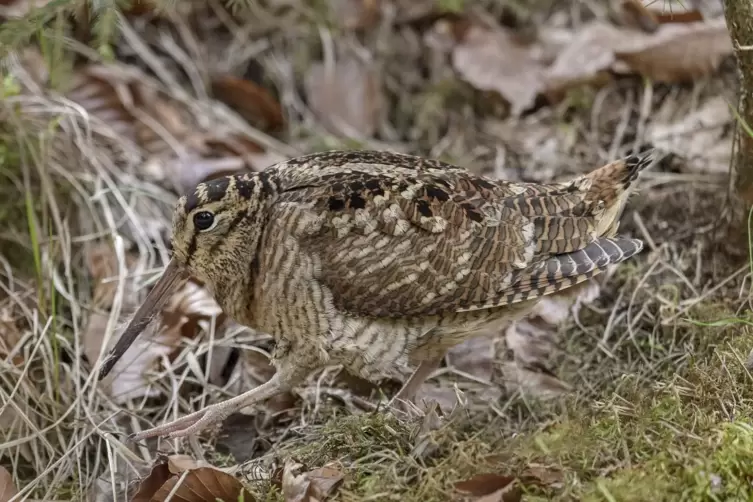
(681,437)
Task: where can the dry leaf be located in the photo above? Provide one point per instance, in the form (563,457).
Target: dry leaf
(356,14)
(346,96)
(474,356)
(10,335)
(324,481)
(176,464)
(312,486)
(411,11)
(491,488)
(8,488)
(185,173)
(423,444)
(15,9)
(492,60)
(249,100)
(637,14)
(700,137)
(591,51)
(202,484)
(179,149)
(102,95)
(102,265)
(542,475)
(519,379)
(533,339)
(151,483)
(680,52)
(673,53)
(687,16)
(444,396)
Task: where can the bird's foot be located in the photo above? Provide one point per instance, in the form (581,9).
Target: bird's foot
(190,424)
(198,421)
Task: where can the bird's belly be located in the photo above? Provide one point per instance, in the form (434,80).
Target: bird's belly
(374,348)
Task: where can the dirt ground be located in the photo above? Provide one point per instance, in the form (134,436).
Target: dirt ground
(635,387)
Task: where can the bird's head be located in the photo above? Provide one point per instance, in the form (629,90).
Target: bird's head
(215,231)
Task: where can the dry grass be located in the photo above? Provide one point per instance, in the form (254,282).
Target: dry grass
(662,405)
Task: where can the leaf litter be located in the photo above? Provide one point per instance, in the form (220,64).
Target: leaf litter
(496,59)
(8,489)
(315,485)
(182,479)
(346,94)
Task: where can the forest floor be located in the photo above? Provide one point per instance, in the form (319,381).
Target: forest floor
(652,398)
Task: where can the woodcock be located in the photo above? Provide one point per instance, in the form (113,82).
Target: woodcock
(380,261)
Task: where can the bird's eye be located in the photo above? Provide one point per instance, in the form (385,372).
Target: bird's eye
(203,220)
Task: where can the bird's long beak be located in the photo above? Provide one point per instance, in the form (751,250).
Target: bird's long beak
(171,278)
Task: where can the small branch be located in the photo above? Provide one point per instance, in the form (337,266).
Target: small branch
(739,17)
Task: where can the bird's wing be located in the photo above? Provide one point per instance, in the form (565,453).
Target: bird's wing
(395,235)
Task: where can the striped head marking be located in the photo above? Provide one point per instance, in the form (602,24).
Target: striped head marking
(215,217)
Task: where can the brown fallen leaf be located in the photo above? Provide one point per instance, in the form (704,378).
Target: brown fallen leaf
(8,488)
(444,397)
(648,17)
(179,149)
(493,60)
(15,9)
(10,334)
(686,16)
(102,96)
(673,53)
(176,464)
(491,487)
(249,100)
(474,356)
(415,11)
(356,14)
(533,340)
(152,482)
(700,137)
(346,96)
(202,485)
(635,13)
(542,475)
(299,485)
(680,52)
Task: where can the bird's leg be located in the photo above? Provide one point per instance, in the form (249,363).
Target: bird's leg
(280,382)
(419,376)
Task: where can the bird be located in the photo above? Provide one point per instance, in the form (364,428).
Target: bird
(380,261)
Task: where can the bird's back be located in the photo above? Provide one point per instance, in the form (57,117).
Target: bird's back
(395,235)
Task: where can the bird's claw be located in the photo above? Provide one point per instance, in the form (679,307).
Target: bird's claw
(185,426)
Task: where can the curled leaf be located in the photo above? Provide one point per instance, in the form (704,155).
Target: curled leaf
(299,485)
(346,96)
(251,101)
(491,487)
(200,485)
(492,60)
(8,488)
(148,486)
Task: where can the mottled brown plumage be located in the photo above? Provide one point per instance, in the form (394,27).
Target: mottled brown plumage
(380,261)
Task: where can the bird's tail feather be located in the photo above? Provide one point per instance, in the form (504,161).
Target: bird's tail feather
(566,270)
